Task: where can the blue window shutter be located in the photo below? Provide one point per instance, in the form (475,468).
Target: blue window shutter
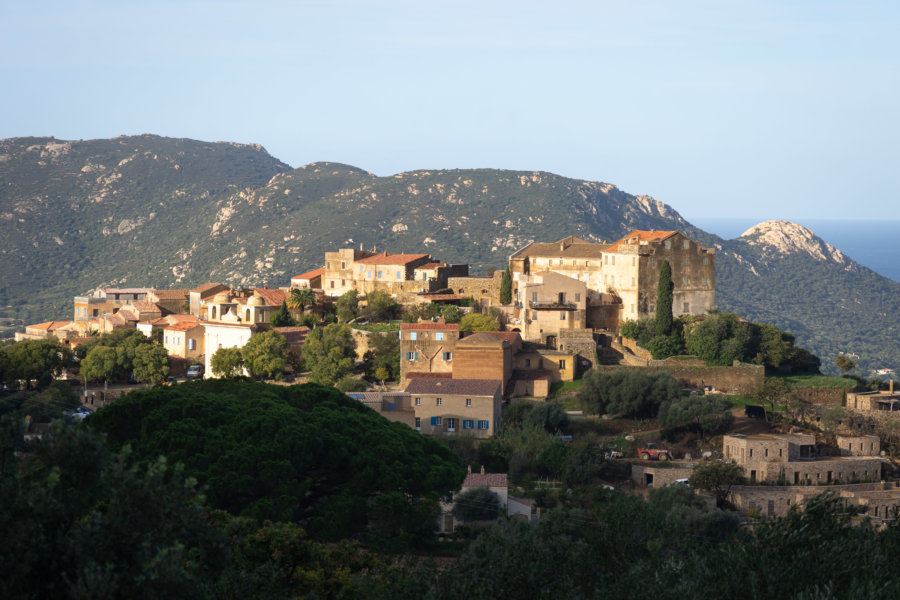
(433,421)
(487,424)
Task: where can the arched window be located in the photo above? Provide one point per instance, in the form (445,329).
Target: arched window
(247,318)
(213,312)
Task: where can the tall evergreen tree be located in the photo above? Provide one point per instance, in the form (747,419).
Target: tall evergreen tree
(664,291)
(506,287)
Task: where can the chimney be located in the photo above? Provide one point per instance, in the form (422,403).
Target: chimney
(562,245)
(470,469)
(482,469)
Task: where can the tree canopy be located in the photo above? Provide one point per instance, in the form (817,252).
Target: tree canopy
(265,354)
(120,354)
(303,453)
(478,322)
(625,391)
(329,353)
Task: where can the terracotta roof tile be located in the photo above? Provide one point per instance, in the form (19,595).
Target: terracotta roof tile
(273,297)
(128,315)
(485,480)
(462,387)
(144,306)
(209,289)
(637,236)
(570,247)
(49,325)
(392,259)
(427,375)
(183,326)
(430,266)
(171,294)
(310,274)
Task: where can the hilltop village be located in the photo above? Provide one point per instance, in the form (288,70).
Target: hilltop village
(459,356)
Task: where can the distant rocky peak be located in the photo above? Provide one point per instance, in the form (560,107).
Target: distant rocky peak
(786,237)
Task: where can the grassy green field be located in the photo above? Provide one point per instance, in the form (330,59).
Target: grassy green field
(823,381)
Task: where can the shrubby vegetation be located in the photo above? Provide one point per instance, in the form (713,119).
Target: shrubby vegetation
(32,363)
(329,353)
(626,392)
(122,354)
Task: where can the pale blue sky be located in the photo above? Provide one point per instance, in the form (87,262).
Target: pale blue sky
(723,109)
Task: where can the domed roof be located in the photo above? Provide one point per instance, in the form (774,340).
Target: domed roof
(256,300)
(221,298)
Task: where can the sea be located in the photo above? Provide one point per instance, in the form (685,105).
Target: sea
(872,243)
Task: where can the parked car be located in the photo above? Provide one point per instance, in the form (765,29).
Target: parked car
(195,371)
(170,381)
(79,413)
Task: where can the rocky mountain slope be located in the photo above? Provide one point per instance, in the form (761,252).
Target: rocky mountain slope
(156,211)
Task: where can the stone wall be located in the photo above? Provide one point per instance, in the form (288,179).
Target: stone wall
(580,342)
(485,290)
(821,396)
(660,476)
(740,379)
(776,500)
(637,350)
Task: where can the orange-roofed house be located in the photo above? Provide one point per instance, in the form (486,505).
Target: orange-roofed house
(402,275)
(622,277)
(185,339)
(41,331)
(311,280)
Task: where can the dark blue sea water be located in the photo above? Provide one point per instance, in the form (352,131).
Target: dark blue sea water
(874,244)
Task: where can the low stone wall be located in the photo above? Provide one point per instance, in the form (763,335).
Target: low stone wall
(659,476)
(821,396)
(740,379)
(637,350)
(776,500)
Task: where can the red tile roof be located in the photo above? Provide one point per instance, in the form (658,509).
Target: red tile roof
(509,336)
(310,274)
(144,306)
(485,480)
(171,294)
(128,315)
(460,387)
(637,236)
(273,297)
(430,266)
(183,326)
(49,325)
(429,326)
(392,259)
(210,287)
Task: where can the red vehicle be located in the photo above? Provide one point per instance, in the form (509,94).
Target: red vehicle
(654,452)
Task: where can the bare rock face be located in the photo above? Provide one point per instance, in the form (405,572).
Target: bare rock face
(786,237)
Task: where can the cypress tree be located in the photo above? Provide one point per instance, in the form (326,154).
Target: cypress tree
(506,287)
(664,291)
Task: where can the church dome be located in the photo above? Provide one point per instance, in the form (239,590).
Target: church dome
(221,298)
(256,300)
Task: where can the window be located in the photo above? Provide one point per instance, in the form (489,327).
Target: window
(435,421)
(412,356)
(438,402)
(361,268)
(413,335)
(448,356)
(652,262)
(418,401)
(668,244)
(332,287)
(484,425)
(686,245)
(587,263)
(368,274)
(527,362)
(418,423)
(562,364)
(468,424)
(451,424)
(577,297)
(468,402)
(687,307)
(379,274)
(343,265)
(192,344)
(612,260)
(398,274)
(562,315)
(534,296)
(439,336)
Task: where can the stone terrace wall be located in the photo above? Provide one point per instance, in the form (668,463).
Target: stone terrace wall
(821,396)
(776,500)
(739,379)
(662,476)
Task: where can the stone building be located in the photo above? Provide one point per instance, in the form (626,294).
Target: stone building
(401,275)
(622,277)
(456,406)
(427,349)
(793,459)
(393,406)
(548,303)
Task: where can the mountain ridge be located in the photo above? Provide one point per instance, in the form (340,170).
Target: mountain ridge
(232,212)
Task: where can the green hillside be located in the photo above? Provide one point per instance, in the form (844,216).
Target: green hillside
(155,211)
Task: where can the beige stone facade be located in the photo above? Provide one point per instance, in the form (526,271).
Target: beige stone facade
(622,277)
(456,406)
(427,348)
(793,459)
(185,339)
(548,303)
